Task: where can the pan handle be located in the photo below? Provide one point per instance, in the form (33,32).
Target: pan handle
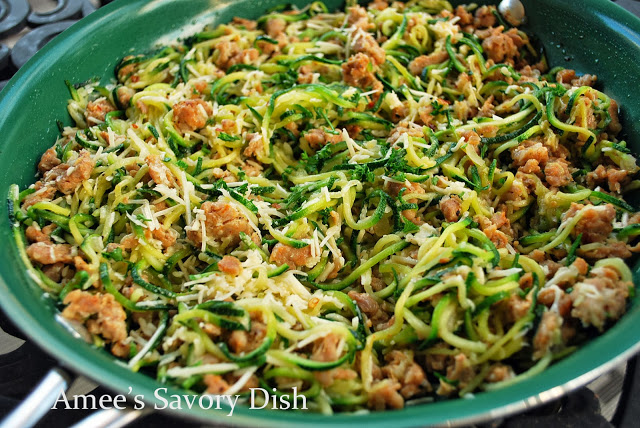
(39,401)
(111,418)
(46,393)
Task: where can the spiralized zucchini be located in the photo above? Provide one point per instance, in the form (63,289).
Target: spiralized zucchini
(373,206)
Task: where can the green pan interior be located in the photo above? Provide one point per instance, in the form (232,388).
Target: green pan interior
(589,35)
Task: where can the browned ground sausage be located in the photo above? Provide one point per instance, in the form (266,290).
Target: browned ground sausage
(190,115)
(294,257)
(230,265)
(101,313)
(223,222)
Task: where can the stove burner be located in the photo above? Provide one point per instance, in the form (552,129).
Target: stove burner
(5,54)
(13,16)
(35,40)
(66,9)
(88,7)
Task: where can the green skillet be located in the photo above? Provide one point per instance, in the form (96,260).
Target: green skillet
(592,36)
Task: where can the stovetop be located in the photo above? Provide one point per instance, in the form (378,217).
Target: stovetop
(609,401)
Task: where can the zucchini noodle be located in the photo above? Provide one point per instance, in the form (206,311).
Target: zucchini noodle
(373,206)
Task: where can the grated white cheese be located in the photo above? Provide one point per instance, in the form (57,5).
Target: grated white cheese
(184,372)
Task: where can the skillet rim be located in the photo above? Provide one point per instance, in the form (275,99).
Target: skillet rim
(97,365)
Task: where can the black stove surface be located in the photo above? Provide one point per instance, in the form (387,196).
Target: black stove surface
(609,401)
